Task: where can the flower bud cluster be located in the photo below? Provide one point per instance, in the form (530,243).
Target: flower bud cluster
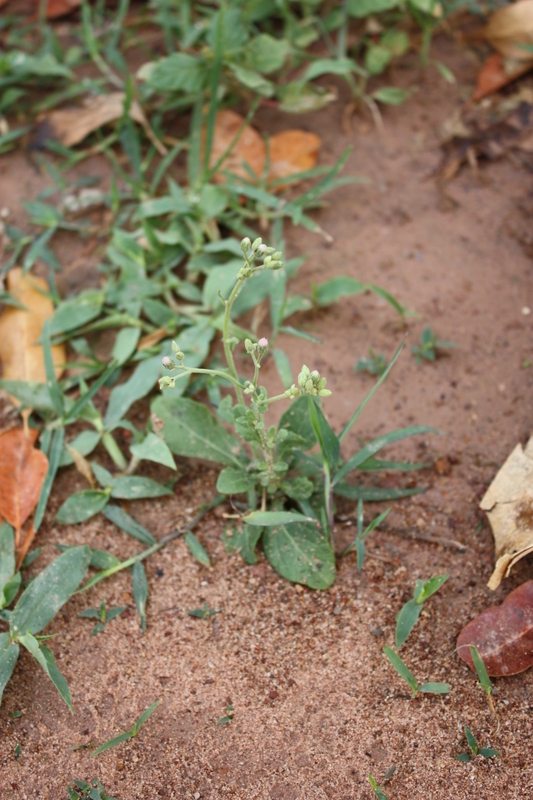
(256,249)
(259,348)
(309,382)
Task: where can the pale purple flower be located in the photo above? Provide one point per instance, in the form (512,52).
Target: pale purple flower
(166,361)
(263,342)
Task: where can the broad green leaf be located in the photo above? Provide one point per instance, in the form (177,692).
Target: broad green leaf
(364,8)
(377,58)
(390,95)
(32,395)
(84,443)
(152,448)
(267,54)
(407,618)
(301,553)
(50,590)
(471,740)
(426,6)
(235,481)
(10,590)
(140,591)
(328,441)
(191,430)
(128,524)
(81,506)
(435,688)
(125,345)
(401,668)
(72,314)
(296,419)
(429,587)
(7,558)
(378,444)
(488,752)
(375,494)
(331,66)
(46,659)
(324,294)
(283,366)
(252,80)
(177,72)
(464,757)
(197,550)
(132,487)
(141,382)
(100,559)
(297,97)
(243,540)
(272,518)
(9,652)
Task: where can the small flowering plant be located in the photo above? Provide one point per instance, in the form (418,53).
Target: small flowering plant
(289,483)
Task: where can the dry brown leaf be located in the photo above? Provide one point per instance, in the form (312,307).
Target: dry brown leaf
(82,465)
(70,126)
(152,338)
(290,152)
(498,72)
(58,8)
(20,354)
(22,473)
(509,506)
(510,28)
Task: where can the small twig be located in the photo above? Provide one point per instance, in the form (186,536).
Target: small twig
(423,537)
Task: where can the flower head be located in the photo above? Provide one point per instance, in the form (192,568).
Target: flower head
(263,342)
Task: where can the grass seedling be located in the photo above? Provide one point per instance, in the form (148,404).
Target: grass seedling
(359,541)
(376,789)
(403,670)
(475,750)
(428,347)
(410,612)
(92,791)
(124,737)
(375,364)
(203,613)
(103,615)
(484,681)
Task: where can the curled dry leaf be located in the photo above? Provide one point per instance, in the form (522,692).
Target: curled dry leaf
(58,8)
(498,72)
(22,473)
(20,329)
(503,635)
(510,30)
(509,506)
(290,152)
(70,126)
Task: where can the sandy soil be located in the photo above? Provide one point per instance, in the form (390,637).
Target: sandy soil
(317,706)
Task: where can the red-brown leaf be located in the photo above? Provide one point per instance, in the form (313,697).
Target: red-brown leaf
(503,635)
(22,473)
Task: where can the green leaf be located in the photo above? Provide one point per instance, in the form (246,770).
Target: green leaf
(81,506)
(51,380)
(328,441)
(178,72)
(435,688)
(373,494)
(401,668)
(125,345)
(364,8)
(152,448)
(378,444)
(202,613)
(324,294)
(32,395)
(126,487)
(407,618)
(141,382)
(390,95)
(7,558)
(252,80)
(197,549)
(301,553)
(471,739)
(243,540)
(72,314)
(377,58)
(464,757)
(10,590)
(46,659)
(270,518)
(446,73)
(54,457)
(488,752)
(283,366)
(297,97)
(331,66)
(84,443)
(483,675)
(427,588)
(128,524)
(191,430)
(140,591)
(123,737)
(376,789)
(9,652)
(296,419)
(144,716)
(50,590)
(235,481)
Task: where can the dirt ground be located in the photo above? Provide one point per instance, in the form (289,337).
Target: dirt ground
(317,706)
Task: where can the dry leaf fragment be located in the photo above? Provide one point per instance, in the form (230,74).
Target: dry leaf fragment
(58,8)
(70,126)
(510,30)
(22,473)
(290,152)
(509,506)
(82,465)
(498,72)
(20,354)
(503,635)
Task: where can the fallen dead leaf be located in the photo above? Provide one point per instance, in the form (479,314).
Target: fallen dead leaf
(22,473)
(498,72)
(290,152)
(58,8)
(20,354)
(509,506)
(152,338)
(70,126)
(82,465)
(510,30)
(503,635)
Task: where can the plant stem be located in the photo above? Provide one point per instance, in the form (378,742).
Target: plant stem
(114,451)
(225,339)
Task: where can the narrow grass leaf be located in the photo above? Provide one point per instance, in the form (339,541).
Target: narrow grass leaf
(272,518)
(407,619)
(123,737)
(471,740)
(140,591)
(401,668)
(128,524)
(54,457)
(46,659)
(197,549)
(145,715)
(9,653)
(483,675)
(127,487)
(435,688)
